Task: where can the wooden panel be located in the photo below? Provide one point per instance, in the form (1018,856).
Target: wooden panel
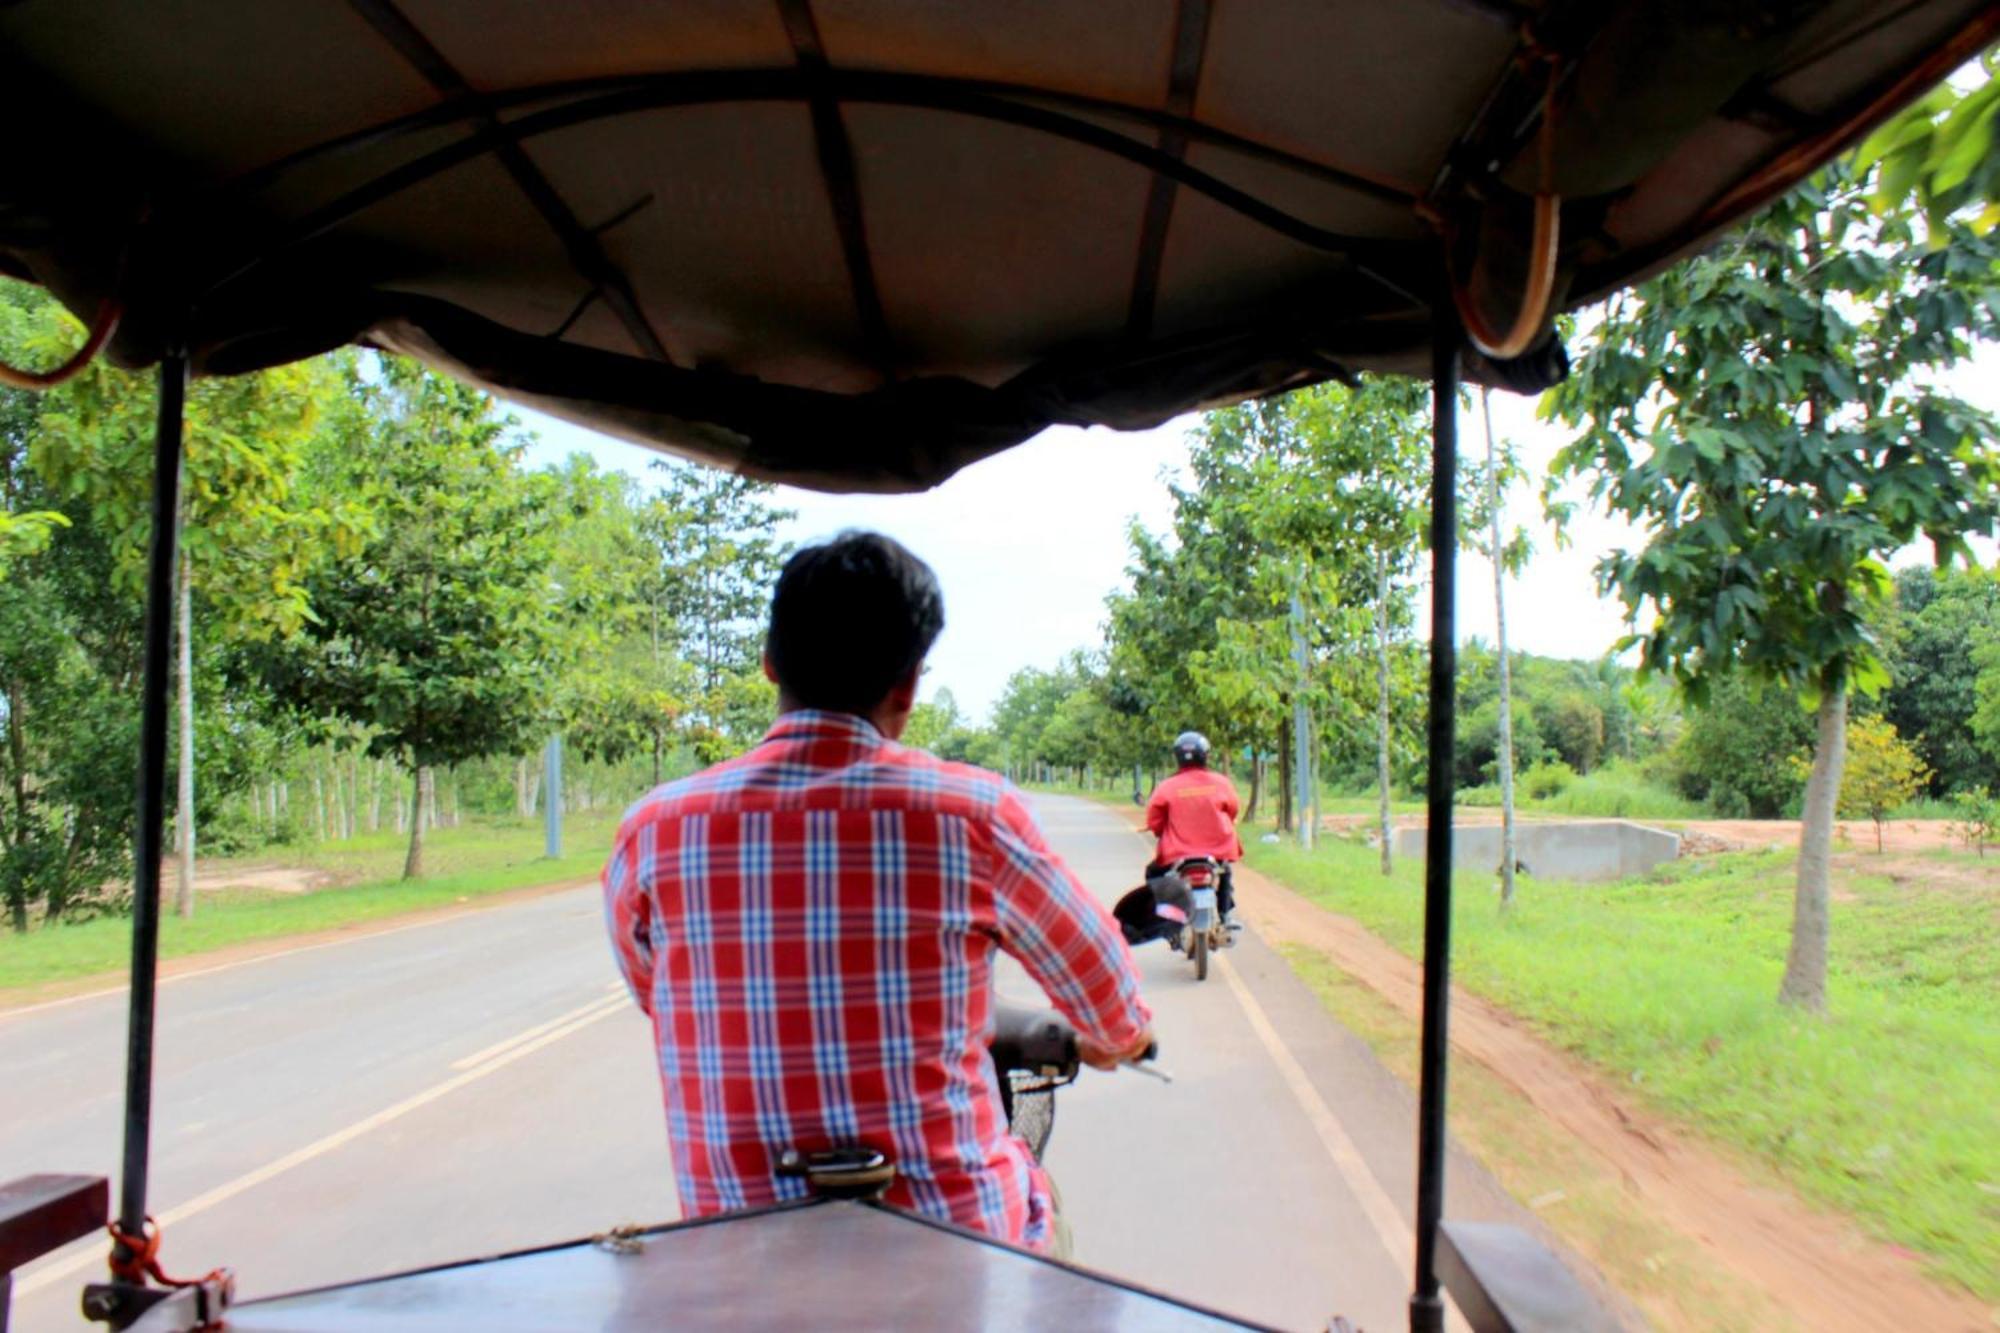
(1506,1281)
(43,1213)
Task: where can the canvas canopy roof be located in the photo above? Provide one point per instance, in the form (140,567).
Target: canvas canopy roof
(857,244)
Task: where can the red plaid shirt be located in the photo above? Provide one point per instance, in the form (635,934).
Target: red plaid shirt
(811,928)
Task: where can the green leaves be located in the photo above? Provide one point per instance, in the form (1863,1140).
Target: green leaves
(1791,439)
(435,630)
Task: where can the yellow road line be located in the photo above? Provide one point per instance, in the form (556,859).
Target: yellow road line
(1397,1236)
(482,1056)
(34,1279)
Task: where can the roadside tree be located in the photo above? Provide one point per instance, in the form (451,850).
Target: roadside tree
(716,554)
(1769,414)
(437,633)
(1943,625)
(1882,773)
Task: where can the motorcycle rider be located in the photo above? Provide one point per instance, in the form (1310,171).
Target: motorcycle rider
(1193,813)
(812,926)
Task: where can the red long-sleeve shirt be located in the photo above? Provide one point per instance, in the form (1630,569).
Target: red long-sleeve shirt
(1193,813)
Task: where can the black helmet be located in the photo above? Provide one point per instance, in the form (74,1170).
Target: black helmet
(1191,747)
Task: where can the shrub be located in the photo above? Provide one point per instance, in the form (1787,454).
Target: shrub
(1736,752)
(1978,817)
(1545,780)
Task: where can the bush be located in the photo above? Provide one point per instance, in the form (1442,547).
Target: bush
(1545,779)
(1624,790)
(1978,817)
(1736,752)
(1575,727)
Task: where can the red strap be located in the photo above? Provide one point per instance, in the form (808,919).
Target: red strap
(136,1258)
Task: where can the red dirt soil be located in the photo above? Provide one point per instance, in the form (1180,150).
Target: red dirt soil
(1818,1266)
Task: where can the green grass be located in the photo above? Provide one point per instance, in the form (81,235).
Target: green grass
(1889,1109)
(1618,790)
(1367,803)
(1574,1191)
(481,858)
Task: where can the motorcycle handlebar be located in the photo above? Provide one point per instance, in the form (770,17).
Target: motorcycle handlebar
(1033,1040)
(1041,1041)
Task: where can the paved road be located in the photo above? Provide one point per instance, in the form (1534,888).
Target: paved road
(479,1084)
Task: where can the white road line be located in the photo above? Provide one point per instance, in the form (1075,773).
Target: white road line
(1397,1237)
(34,1279)
(481,1056)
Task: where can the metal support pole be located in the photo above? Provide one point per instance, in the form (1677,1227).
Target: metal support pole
(552,797)
(147,840)
(1426,1303)
(1303,802)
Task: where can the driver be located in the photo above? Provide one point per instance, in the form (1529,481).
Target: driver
(1193,813)
(811,926)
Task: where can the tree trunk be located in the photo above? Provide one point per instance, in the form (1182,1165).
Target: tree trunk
(1506,755)
(521,810)
(17,757)
(403,809)
(334,785)
(1805,964)
(451,802)
(1285,772)
(421,796)
(1386,822)
(1256,784)
(319,801)
(353,795)
(184,796)
(375,796)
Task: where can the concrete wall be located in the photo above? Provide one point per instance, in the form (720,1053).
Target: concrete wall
(1596,849)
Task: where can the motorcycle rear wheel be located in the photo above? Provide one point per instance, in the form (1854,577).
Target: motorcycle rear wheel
(1201,955)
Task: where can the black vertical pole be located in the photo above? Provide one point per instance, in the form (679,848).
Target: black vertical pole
(1426,1305)
(147,840)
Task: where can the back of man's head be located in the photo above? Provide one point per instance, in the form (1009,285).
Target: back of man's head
(850,620)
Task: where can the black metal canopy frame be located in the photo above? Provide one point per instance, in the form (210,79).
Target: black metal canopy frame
(202,315)
(122,1301)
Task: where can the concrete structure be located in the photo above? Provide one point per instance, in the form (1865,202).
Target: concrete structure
(1595,849)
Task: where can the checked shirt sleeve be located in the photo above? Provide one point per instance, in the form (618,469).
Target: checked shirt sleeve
(628,915)
(1061,934)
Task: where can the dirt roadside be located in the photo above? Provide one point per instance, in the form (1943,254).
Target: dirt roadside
(1818,1266)
(15,999)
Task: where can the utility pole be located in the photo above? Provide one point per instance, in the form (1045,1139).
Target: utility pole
(1506,746)
(1303,802)
(552,797)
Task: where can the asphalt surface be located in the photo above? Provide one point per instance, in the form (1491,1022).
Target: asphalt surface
(479,1084)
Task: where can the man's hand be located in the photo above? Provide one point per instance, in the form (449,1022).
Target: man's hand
(1107,1057)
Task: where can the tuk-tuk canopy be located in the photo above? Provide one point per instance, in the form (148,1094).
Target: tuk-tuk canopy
(858,244)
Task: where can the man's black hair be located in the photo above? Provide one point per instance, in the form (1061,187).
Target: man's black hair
(849,619)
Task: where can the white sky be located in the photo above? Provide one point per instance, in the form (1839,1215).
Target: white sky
(1028,543)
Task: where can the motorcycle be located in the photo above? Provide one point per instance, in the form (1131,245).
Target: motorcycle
(1205,930)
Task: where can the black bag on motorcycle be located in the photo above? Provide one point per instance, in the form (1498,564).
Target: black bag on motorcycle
(1156,910)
